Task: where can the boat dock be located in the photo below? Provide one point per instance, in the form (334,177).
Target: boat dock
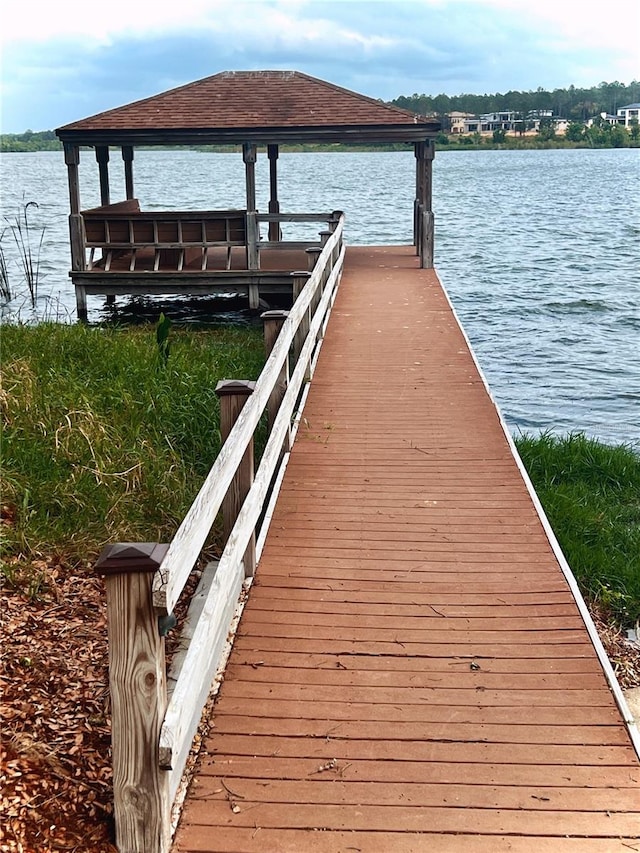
(412,670)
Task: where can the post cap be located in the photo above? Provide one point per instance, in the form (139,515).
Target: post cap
(235,387)
(130,558)
(274,314)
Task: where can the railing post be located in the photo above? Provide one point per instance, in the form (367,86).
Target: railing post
(299,281)
(426,241)
(233,394)
(273,321)
(313,254)
(137,683)
(334,220)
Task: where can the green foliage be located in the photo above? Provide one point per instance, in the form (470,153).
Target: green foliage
(98,444)
(591,494)
(44,140)
(499,136)
(576,103)
(575,132)
(546,130)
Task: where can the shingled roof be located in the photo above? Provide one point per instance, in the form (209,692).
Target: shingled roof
(251,106)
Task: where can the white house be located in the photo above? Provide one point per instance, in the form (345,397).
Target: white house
(629,115)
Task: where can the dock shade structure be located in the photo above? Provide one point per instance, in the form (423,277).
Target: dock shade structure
(119,248)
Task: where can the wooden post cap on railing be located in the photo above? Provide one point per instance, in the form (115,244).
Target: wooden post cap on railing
(275,314)
(130,557)
(313,253)
(235,387)
(273,321)
(324,237)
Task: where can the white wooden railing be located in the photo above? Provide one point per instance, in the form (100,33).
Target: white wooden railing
(155,714)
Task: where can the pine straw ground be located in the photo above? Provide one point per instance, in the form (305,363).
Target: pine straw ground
(56,772)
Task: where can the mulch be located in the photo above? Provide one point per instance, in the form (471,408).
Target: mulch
(55,753)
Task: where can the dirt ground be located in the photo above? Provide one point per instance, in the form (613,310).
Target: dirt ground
(56,770)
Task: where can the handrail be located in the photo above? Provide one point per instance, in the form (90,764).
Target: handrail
(153,728)
(198,660)
(192,533)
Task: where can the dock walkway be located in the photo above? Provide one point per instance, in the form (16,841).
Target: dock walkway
(411,671)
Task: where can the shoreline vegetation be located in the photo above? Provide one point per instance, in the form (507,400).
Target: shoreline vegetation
(602,139)
(108,434)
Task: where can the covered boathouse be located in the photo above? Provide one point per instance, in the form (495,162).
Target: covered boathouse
(119,248)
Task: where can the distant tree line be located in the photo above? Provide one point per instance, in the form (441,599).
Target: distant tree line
(572,103)
(42,140)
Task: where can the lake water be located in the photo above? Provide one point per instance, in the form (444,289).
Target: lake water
(538,250)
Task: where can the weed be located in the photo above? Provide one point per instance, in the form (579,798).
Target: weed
(28,253)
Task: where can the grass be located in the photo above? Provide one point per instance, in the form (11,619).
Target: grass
(109,433)
(591,494)
(106,437)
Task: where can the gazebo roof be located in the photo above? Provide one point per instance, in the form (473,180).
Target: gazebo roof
(251,106)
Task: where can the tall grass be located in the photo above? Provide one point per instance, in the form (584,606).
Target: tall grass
(104,440)
(5,284)
(591,494)
(28,249)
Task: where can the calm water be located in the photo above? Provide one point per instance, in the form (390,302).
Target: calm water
(537,249)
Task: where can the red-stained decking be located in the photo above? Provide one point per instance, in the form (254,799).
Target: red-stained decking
(411,671)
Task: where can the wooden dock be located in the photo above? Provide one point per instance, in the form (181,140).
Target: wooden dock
(411,671)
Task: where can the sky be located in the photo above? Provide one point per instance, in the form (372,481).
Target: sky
(62,61)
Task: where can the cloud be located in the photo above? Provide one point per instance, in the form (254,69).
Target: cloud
(61,65)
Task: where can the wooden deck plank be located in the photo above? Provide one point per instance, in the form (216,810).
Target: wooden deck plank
(427,732)
(360,818)
(446,772)
(339,792)
(257,839)
(426,715)
(355,675)
(411,671)
(560,667)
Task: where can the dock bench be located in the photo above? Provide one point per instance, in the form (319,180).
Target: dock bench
(130,240)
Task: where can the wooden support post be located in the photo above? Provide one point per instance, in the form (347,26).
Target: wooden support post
(273,321)
(137,682)
(275,232)
(429,154)
(313,253)
(233,394)
(76,224)
(335,220)
(127,156)
(299,281)
(81,302)
(249,155)
(419,155)
(427,223)
(324,237)
(312,256)
(72,159)
(102,158)
(426,242)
